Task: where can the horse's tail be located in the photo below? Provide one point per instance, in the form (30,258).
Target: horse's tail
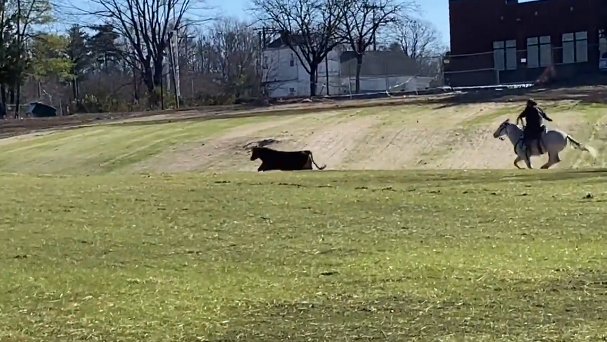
(578,146)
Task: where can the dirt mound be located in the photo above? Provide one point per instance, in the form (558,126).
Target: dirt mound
(421,137)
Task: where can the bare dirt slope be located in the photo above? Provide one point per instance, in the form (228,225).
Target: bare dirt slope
(402,137)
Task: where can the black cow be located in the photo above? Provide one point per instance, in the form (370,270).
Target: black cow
(283,160)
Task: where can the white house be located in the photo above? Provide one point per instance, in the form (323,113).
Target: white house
(284,75)
(382,71)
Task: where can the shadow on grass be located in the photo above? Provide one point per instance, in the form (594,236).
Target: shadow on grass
(412,180)
(558,175)
(498,308)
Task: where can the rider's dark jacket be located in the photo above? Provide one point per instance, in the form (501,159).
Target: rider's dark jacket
(534,118)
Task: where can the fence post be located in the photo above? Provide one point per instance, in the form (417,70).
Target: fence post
(387,81)
(497,76)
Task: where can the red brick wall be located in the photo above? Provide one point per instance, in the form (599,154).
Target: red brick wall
(476,24)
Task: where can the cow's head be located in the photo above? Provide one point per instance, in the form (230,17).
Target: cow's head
(254,153)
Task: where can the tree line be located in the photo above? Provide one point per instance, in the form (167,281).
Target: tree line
(123,55)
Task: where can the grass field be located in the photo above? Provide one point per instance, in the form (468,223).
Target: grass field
(153,232)
(427,256)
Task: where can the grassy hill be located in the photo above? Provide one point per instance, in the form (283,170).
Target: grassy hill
(394,137)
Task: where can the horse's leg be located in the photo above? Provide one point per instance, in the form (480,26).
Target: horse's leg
(516,161)
(548,163)
(522,153)
(528,162)
(557,158)
(552,159)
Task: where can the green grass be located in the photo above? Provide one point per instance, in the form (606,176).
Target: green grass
(106,148)
(309,256)
(489,115)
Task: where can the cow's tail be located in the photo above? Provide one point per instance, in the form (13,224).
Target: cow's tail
(318,167)
(578,146)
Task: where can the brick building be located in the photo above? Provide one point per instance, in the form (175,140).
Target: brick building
(509,42)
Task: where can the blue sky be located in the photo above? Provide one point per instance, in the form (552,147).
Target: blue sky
(434,11)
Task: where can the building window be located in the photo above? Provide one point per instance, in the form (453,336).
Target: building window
(539,52)
(291,91)
(533,53)
(499,62)
(504,55)
(602,44)
(581,47)
(575,47)
(265,62)
(292,62)
(545,51)
(568,48)
(511,54)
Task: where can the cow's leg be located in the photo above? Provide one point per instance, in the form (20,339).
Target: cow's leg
(262,168)
(307,165)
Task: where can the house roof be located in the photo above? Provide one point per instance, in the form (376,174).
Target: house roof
(378,63)
(276,43)
(279,42)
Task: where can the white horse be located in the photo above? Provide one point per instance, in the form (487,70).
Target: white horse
(552,141)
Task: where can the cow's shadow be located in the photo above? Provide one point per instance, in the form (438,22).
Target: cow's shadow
(262,143)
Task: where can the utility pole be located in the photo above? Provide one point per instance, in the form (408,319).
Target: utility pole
(174,66)
(373,8)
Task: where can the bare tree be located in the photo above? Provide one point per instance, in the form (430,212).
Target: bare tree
(308,27)
(234,50)
(417,38)
(363,19)
(146,26)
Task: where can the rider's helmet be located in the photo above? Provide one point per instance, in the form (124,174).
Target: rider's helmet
(531,103)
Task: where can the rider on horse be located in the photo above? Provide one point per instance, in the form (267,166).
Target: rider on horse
(534,125)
